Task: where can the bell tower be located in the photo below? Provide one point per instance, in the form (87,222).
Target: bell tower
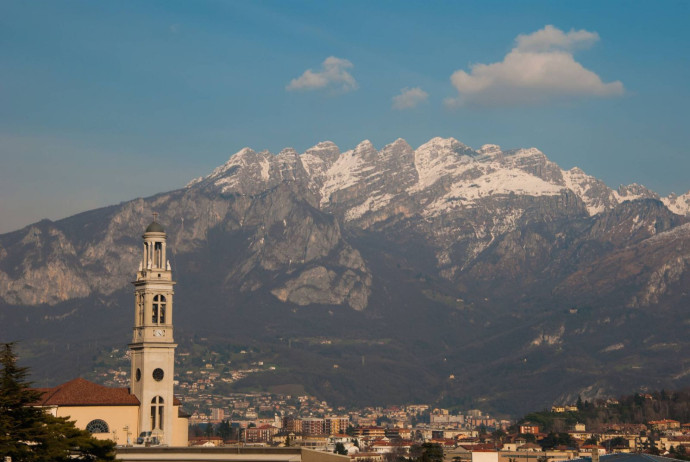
(153,347)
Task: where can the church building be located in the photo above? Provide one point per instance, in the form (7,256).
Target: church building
(148,406)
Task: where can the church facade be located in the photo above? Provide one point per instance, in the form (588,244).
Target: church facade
(148,406)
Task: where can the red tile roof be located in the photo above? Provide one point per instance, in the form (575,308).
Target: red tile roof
(81,392)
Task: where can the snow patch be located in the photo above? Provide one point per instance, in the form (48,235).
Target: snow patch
(582,184)
(341,175)
(614,347)
(680,205)
(437,158)
(490,149)
(495,181)
(265,169)
(679,232)
(372,204)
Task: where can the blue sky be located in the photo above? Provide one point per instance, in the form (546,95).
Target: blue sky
(102,102)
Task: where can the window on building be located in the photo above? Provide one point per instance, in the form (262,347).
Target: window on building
(157,413)
(158,254)
(140,308)
(97,426)
(158,312)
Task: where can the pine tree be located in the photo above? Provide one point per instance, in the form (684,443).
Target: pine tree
(19,422)
(27,433)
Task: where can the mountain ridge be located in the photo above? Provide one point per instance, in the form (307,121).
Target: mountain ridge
(435,249)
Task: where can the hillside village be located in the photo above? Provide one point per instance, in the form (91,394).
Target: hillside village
(219,417)
(378,434)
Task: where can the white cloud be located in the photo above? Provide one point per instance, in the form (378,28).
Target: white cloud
(333,74)
(550,38)
(540,68)
(409,98)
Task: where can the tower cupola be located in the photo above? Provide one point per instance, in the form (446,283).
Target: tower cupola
(154,258)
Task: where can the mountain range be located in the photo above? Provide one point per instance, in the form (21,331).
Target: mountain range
(483,278)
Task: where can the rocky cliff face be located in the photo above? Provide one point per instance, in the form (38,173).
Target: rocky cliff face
(482,235)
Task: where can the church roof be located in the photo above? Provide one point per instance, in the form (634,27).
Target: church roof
(81,392)
(155,227)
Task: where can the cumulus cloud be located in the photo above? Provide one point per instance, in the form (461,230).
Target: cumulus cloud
(540,68)
(551,38)
(409,98)
(333,74)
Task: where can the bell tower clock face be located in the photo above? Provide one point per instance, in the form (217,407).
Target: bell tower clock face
(158,333)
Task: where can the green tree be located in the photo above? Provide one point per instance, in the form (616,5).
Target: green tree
(679,452)
(381,420)
(592,440)
(557,439)
(619,442)
(498,436)
(426,452)
(28,434)
(340,449)
(529,437)
(224,430)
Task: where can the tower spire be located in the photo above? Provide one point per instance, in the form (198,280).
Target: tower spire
(153,347)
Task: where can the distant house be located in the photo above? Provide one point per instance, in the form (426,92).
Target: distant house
(666,424)
(587,450)
(261,434)
(529,429)
(206,441)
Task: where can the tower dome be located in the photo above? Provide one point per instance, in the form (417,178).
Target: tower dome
(155,227)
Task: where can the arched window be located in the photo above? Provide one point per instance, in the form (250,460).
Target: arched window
(157,413)
(158,254)
(140,308)
(97,426)
(158,312)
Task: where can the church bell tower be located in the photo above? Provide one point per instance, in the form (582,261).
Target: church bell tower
(153,347)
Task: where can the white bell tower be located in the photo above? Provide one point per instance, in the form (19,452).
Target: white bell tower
(153,347)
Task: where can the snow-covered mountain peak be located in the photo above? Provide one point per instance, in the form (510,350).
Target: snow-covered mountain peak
(363,146)
(634,191)
(444,171)
(242,157)
(322,146)
(593,192)
(325,151)
(526,152)
(396,148)
(288,152)
(678,204)
(400,143)
(490,149)
(442,144)
(439,157)
(318,159)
